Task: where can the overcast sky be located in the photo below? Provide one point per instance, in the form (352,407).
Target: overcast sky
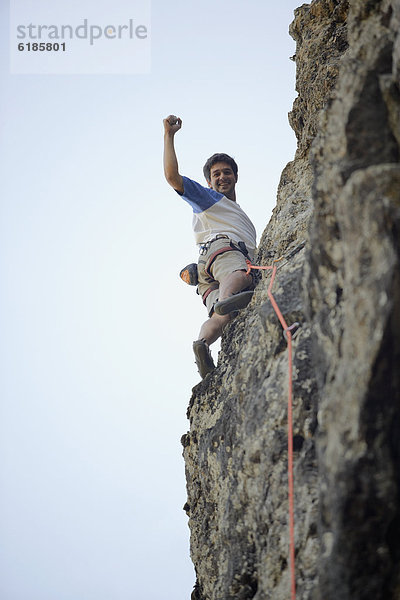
(96,326)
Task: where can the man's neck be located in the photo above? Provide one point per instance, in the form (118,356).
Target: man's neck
(231,196)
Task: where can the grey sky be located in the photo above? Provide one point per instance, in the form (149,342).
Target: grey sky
(96,360)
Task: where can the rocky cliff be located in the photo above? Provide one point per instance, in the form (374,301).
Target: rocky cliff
(337,225)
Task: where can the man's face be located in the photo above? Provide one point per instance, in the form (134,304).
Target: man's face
(223,180)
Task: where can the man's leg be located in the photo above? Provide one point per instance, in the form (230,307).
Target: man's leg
(211,330)
(233,283)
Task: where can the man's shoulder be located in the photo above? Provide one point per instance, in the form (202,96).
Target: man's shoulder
(201,198)
(190,185)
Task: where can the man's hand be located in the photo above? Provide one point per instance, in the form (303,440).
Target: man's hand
(172,124)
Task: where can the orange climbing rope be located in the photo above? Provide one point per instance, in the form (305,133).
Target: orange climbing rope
(288,334)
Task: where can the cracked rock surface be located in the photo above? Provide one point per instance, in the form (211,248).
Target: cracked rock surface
(337,225)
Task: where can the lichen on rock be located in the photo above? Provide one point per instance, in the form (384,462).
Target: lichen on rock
(337,223)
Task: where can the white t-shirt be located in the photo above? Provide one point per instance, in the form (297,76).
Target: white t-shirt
(214,213)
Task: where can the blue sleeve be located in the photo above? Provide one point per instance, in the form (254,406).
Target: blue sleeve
(200,198)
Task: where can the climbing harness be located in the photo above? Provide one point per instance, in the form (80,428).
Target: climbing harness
(213,286)
(189,274)
(241,247)
(288,332)
(203,248)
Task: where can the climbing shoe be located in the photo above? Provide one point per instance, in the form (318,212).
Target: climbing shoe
(204,360)
(235,302)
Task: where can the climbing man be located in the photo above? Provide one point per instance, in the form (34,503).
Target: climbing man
(225,237)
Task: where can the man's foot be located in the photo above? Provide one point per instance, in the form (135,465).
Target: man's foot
(235,302)
(204,360)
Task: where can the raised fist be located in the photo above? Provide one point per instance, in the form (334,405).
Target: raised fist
(172,124)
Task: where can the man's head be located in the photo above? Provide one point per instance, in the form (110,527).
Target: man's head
(221,173)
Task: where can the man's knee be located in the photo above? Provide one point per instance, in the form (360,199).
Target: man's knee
(238,276)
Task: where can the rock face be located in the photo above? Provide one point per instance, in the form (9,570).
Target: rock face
(337,224)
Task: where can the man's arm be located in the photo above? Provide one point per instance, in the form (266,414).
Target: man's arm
(172,124)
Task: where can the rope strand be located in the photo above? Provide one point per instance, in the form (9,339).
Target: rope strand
(288,334)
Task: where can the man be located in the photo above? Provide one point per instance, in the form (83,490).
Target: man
(223,232)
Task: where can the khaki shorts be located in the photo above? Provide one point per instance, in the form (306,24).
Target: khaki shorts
(225,264)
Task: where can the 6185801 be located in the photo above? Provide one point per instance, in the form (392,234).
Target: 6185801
(42,47)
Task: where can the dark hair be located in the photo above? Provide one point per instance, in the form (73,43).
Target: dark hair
(219,157)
